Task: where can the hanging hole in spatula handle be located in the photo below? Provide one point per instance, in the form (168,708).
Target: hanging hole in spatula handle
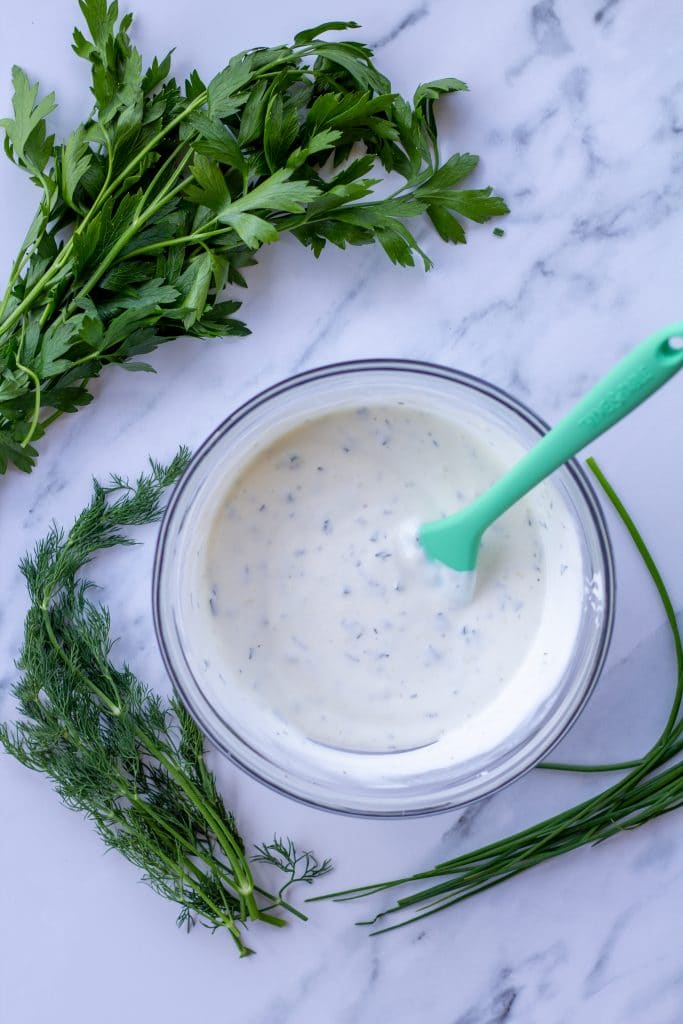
(673,345)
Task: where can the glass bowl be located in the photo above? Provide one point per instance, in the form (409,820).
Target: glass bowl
(397,783)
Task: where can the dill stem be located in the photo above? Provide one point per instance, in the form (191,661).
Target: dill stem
(189,849)
(113,708)
(226,918)
(243,877)
(244,882)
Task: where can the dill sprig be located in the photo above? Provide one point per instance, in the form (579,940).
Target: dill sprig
(297,867)
(647,790)
(131,761)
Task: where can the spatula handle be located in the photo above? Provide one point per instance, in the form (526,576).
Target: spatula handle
(645,369)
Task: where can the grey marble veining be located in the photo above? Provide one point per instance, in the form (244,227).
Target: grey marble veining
(577,111)
(407,21)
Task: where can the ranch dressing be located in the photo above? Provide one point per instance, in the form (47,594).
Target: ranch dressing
(319,613)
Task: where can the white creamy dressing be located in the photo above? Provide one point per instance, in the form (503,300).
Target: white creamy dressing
(319,616)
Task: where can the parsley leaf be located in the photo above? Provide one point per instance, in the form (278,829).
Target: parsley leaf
(26,139)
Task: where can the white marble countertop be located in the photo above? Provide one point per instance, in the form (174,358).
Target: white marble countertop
(577,112)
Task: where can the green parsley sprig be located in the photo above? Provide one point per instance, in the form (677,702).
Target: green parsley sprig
(161,198)
(116,751)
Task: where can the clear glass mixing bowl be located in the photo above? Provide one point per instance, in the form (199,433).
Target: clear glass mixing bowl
(378,785)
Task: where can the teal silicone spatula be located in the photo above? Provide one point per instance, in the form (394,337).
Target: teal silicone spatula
(455,540)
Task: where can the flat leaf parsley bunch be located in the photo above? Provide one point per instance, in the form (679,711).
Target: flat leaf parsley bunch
(160,199)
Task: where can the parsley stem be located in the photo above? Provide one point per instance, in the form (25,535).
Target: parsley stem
(199,101)
(39,287)
(51,418)
(108,189)
(36,403)
(36,394)
(163,168)
(122,242)
(14,274)
(19,262)
(168,243)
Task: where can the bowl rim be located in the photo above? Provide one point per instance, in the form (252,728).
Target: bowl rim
(382,364)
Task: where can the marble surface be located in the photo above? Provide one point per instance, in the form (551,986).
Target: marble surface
(577,111)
